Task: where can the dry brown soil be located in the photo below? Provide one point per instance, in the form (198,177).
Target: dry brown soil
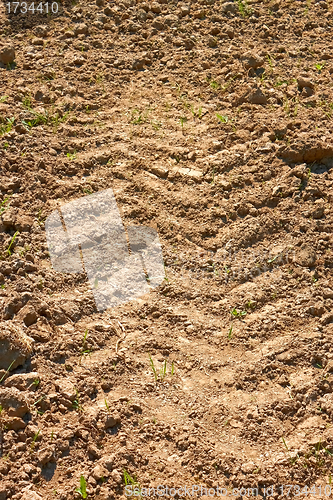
(212,122)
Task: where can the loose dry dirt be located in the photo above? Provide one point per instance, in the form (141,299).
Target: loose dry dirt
(212,122)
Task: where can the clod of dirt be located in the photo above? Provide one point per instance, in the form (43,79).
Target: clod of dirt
(306,257)
(46,455)
(257,97)
(109,420)
(15,346)
(99,472)
(318,210)
(7,54)
(252,60)
(303,82)
(22,381)
(28,315)
(28,494)
(229,7)
(14,402)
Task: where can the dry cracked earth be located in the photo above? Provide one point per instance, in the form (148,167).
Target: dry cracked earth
(212,123)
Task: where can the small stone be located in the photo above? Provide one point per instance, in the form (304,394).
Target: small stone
(225,185)
(41,30)
(94,451)
(136,407)
(7,54)
(328,293)
(185,10)
(248,467)
(229,31)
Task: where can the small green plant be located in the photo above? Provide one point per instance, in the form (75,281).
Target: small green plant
(3,98)
(156,124)
(82,490)
(26,102)
(238,314)
(71,156)
(40,218)
(7,126)
(7,371)
(196,114)
(319,67)
(137,117)
(230,331)
(292,460)
(107,406)
(243,8)
(153,367)
(183,120)
(11,243)
(76,403)
(84,350)
(34,439)
(270,61)
(250,305)
(222,118)
(128,479)
(6,145)
(214,85)
(213,177)
(163,370)
(3,205)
